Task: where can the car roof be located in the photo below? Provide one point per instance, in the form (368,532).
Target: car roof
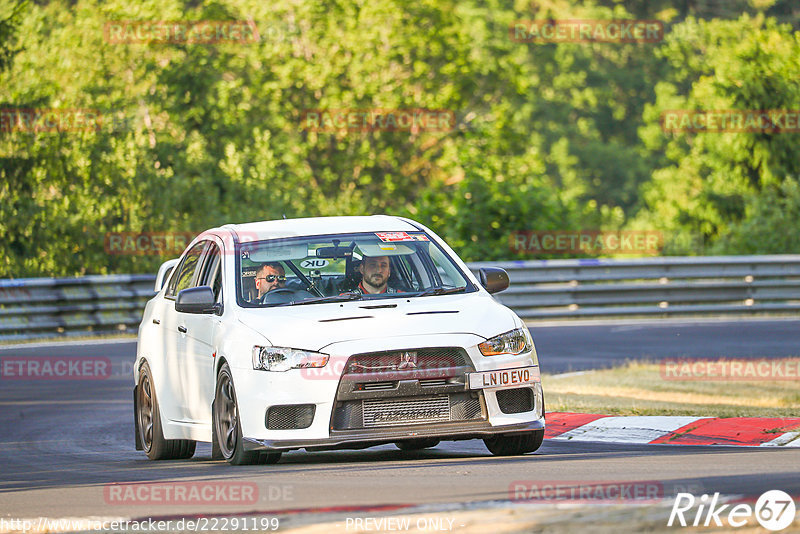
(257,231)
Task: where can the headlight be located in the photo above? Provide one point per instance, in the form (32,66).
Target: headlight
(516,341)
(283,359)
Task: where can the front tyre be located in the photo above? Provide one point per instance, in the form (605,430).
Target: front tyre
(227,427)
(515,444)
(148,418)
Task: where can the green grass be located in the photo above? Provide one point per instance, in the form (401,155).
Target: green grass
(638,388)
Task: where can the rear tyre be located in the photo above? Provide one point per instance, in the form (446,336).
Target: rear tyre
(515,444)
(151,435)
(227,427)
(416,444)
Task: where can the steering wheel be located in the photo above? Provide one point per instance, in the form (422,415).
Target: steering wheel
(279,295)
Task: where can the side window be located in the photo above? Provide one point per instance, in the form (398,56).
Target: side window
(406,272)
(212,271)
(447,271)
(217,285)
(182,276)
(166,274)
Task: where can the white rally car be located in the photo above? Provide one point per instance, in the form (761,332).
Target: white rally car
(335,332)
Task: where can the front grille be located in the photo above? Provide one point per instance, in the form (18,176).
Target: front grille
(357,414)
(290,417)
(516,400)
(437,358)
(414,386)
(433,382)
(376,386)
(469,408)
(404,412)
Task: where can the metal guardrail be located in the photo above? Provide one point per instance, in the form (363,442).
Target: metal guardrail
(652,287)
(48,307)
(541,289)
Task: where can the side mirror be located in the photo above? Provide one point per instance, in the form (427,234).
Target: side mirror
(494,279)
(196,300)
(163,273)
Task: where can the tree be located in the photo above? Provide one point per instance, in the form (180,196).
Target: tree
(717,184)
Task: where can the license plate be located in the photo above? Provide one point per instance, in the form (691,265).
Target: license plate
(504,377)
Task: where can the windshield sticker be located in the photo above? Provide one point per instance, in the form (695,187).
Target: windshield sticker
(313,263)
(391,237)
(420,237)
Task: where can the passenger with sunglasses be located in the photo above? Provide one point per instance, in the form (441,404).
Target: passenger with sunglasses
(268,277)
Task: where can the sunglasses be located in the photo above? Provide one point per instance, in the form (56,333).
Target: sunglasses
(272,277)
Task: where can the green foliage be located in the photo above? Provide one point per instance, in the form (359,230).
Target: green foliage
(9,46)
(769,225)
(717,185)
(547,136)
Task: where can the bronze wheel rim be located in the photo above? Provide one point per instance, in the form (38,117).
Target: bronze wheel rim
(226,420)
(145,412)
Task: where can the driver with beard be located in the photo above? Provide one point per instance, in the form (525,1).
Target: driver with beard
(375,272)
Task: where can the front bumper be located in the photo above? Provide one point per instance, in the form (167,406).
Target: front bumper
(359,439)
(337,397)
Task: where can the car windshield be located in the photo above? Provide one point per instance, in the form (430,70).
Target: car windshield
(342,267)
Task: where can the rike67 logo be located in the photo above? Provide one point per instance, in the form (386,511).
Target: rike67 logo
(774,510)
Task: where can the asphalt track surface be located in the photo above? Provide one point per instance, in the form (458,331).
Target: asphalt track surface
(62,442)
(571,347)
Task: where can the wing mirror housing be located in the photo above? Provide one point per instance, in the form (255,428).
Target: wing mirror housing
(197,300)
(493,279)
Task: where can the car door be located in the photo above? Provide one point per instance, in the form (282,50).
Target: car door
(174,331)
(200,352)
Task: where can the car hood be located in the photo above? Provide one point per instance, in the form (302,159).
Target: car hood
(314,326)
